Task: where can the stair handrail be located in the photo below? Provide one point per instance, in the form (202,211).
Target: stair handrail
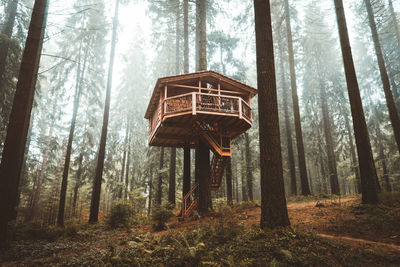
(185,199)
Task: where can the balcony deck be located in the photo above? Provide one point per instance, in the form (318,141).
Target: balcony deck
(174,118)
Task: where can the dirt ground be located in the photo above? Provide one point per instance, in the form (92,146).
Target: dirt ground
(308,217)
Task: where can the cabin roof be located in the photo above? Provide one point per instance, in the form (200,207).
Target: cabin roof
(206,76)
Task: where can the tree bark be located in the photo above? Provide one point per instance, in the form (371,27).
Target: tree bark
(249,172)
(353,155)
(77,182)
(381,152)
(95,200)
(186,170)
(128,162)
(395,23)
(273,203)
(288,128)
(305,188)
(158,199)
(243,178)
(204,177)
(228,178)
(365,157)
(185,36)
(64,182)
(7,31)
(393,113)
(14,146)
(121,180)
(172,177)
(150,188)
(333,177)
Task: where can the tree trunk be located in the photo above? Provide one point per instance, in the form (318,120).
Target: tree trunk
(203,159)
(365,157)
(249,172)
(128,162)
(7,30)
(381,152)
(273,203)
(95,200)
(243,179)
(305,188)
(394,21)
(121,180)
(14,146)
(353,155)
(77,183)
(172,176)
(204,177)
(333,177)
(236,183)
(186,170)
(228,178)
(185,36)
(150,188)
(64,183)
(289,144)
(158,199)
(393,114)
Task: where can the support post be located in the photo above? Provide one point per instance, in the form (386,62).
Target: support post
(193,103)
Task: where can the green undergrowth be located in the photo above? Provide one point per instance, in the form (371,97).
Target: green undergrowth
(227,243)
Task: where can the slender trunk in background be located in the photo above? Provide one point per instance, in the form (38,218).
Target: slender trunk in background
(393,113)
(228,178)
(186,170)
(38,189)
(54,191)
(185,36)
(365,157)
(7,30)
(249,173)
(95,200)
(381,152)
(288,128)
(236,182)
(128,162)
(77,182)
(121,179)
(24,172)
(150,188)
(354,164)
(172,177)
(158,199)
(333,177)
(305,188)
(242,178)
(273,202)
(64,183)
(395,23)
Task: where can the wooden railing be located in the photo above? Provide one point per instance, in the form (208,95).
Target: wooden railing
(246,110)
(155,120)
(202,103)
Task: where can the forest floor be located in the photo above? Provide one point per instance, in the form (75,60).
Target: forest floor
(340,232)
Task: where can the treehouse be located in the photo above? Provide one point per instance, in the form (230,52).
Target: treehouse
(206,106)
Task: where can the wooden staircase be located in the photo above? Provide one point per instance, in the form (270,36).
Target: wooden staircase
(221,147)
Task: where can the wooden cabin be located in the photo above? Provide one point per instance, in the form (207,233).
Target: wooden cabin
(180,102)
(205,105)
